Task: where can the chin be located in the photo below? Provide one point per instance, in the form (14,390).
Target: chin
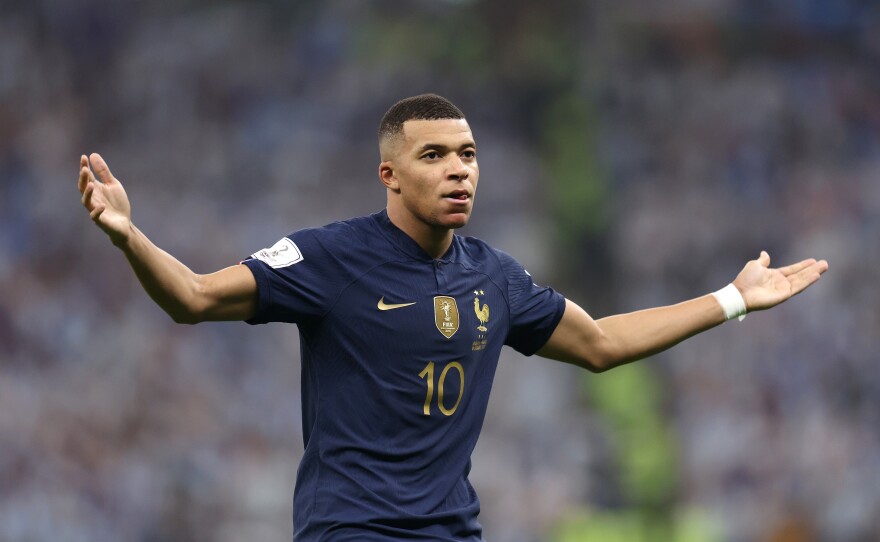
(455,221)
(459,224)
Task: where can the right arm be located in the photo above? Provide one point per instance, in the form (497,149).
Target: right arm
(599,345)
(228,294)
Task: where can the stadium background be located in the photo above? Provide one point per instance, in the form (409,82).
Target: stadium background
(633,153)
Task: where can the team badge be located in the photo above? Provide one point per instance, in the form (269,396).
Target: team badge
(446,315)
(482,313)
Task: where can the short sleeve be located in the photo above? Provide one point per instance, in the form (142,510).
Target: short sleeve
(535,311)
(296,279)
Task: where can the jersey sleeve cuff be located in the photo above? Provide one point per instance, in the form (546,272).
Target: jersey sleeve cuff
(263,290)
(539,342)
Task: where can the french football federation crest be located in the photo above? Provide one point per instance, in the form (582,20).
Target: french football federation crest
(446,315)
(482,313)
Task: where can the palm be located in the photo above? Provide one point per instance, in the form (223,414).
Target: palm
(117,213)
(106,199)
(763,287)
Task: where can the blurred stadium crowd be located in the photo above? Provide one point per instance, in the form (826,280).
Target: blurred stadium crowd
(633,153)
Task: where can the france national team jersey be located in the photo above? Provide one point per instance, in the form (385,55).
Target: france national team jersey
(398,355)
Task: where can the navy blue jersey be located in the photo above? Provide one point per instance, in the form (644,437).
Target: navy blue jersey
(398,356)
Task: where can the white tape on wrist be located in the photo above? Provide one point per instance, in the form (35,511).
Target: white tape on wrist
(732,302)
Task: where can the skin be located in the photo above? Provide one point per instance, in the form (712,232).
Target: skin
(189,298)
(430,161)
(599,345)
(430,173)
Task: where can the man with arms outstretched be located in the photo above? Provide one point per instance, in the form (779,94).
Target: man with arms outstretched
(401,324)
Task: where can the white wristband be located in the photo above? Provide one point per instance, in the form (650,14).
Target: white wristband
(732,302)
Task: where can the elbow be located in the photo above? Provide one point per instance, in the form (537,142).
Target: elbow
(596,366)
(603,357)
(594,356)
(186,312)
(592,363)
(187,317)
(190,309)
(610,361)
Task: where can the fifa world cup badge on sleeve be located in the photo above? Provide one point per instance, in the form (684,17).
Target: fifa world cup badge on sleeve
(281,254)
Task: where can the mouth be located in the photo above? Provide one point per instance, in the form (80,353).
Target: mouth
(458,196)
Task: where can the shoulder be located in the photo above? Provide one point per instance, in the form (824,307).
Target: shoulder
(343,239)
(343,231)
(478,253)
(493,262)
(335,243)
(500,266)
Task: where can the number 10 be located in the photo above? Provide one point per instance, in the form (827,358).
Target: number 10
(428,374)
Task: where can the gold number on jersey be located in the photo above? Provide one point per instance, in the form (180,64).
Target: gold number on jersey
(428,374)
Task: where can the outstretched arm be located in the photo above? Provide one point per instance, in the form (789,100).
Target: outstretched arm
(599,345)
(229,294)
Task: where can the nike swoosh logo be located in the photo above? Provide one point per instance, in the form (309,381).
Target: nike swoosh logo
(387,307)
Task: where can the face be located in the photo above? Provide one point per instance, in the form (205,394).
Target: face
(432,173)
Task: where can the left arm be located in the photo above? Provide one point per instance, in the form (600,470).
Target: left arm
(599,345)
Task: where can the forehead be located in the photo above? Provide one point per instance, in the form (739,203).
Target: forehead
(444,131)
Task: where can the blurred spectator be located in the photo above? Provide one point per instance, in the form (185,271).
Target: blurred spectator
(633,154)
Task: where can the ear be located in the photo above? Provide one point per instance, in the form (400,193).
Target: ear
(387,176)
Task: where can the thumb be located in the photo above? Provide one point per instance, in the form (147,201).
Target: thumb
(99,166)
(764,259)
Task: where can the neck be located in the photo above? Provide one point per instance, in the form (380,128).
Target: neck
(433,239)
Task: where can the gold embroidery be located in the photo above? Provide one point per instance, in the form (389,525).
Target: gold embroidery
(390,306)
(483,316)
(446,315)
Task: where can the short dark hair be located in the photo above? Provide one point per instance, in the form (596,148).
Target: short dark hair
(421,107)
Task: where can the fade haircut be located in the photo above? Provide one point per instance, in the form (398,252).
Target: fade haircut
(421,107)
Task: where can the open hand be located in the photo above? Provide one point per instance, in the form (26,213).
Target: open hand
(763,287)
(104,198)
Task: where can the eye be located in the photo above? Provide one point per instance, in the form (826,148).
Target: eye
(469,154)
(433,155)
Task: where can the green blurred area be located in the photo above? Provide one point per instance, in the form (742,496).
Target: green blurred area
(684,525)
(734,125)
(631,400)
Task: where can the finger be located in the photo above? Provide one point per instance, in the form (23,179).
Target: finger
(100,168)
(96,212)
(764,259)
(85,163)
(795,267)
(805,277)
(83,177)
(801,283)
(87,195)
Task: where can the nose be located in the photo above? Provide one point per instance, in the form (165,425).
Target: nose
(457,170)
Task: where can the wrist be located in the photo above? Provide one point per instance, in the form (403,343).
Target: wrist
(732,302)
(121,240)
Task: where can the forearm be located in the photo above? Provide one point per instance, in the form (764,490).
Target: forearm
(599,345)
(228,294)
(643,333)
(172,285)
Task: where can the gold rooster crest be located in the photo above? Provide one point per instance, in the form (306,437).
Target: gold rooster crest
(482,313)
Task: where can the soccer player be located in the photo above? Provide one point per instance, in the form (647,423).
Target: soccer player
(401,324)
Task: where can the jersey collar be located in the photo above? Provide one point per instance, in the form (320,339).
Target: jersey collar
(407,244)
